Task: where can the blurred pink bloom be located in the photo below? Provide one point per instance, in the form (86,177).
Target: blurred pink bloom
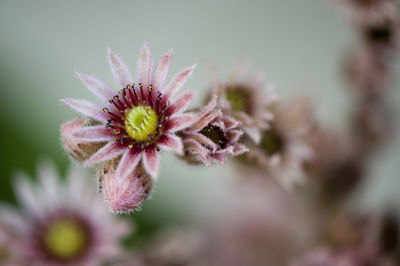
(246,98)
(213,137)
(283,150)
(61,223)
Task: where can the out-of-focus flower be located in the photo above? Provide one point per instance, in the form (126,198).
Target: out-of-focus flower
(79,150)
(175,247)
(367,72)
(257,227)
(61,223)
(377,21)
(124,194)
(139,119)
(283,151)
(358,240)
(246,98)
(336,167)
(213,137)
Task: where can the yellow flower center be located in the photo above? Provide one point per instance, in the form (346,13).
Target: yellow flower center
(140,122)
(238,98)
(65,238)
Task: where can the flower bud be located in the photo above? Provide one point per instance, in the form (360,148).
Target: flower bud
(124,194)
(78,149)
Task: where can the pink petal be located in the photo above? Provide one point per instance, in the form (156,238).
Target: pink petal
(230,123)
(254,133)
(209,107)
(161,71)
(119,69)
(96,86)
(204,121)
(239,149)
(128,163)
(202,140)
(151,162)
(180,104)
(87,108)
(144,66)
(26,194)
(179,122)
(177,82)
(108,152)
(93,134)
(171,142)
(198,151)
(234,135)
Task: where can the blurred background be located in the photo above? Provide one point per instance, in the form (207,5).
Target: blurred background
(300,45)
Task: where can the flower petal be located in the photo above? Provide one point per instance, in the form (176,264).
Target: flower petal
(144,66)
(197,152)
(87,108)
(202,140)
(239,149)
(119,69)
(171,142)
(151,162)
(179,122)
(93,134)
(254,133)
(97,87)
(128,163)
(161,71)
(177,82)
(205,120)
(180,104)
(26,194)
(108,152)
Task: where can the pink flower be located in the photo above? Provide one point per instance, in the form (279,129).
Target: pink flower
(139,119)
(61,223)
(213,137)
(247,99)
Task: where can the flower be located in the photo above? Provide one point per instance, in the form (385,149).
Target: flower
(139,119)
(213,137)
(377,21)
(283,150)
(246,98)
(61,223)
(124,195)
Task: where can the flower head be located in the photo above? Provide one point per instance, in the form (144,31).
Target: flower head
(283,150)
(246,98)
(139,119)
(61,223)
(213,137)
(377,21)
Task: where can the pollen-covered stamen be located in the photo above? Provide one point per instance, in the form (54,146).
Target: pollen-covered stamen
(272,142)
(65,238)
(215,134)
(141,122)
(239,99)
